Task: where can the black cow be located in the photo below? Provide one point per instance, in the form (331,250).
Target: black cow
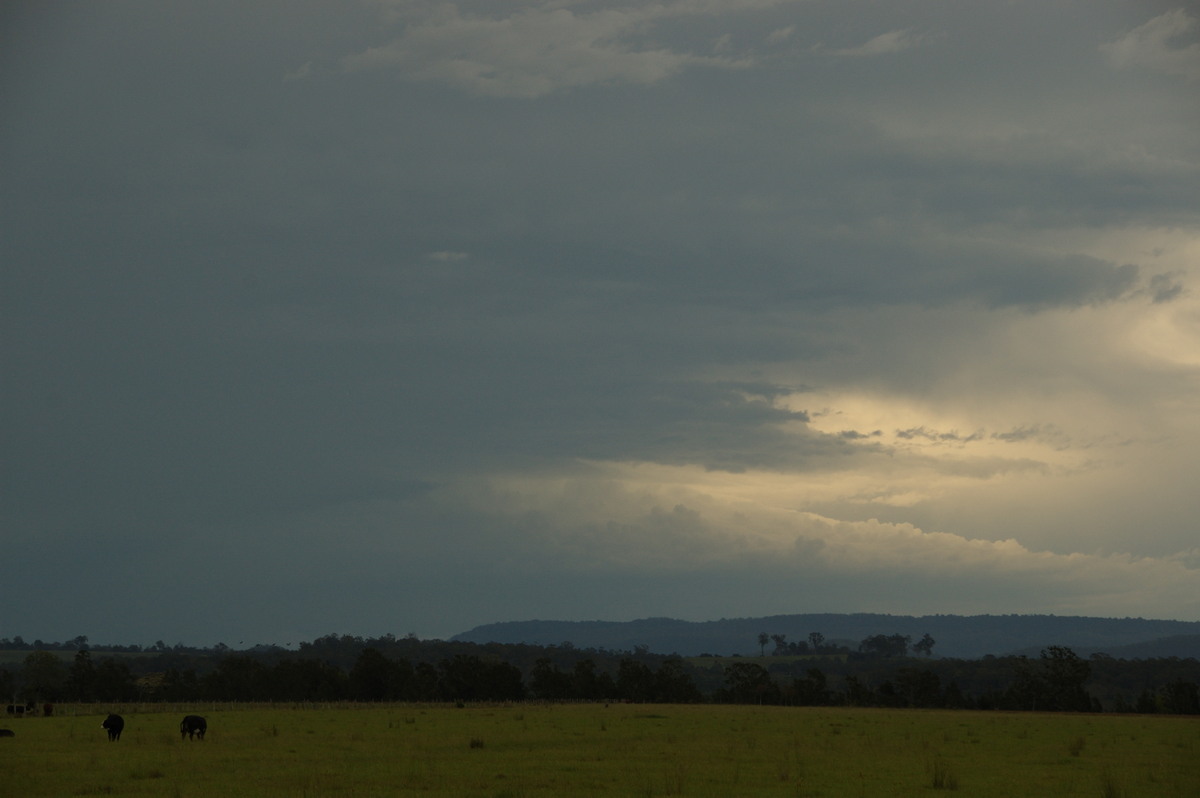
(114,724)
(7,733)
(192,725)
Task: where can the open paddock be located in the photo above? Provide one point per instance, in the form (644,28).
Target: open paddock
(514,750)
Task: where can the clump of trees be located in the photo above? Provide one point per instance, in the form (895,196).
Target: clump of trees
(815,644)
(895,645)
(1054,683)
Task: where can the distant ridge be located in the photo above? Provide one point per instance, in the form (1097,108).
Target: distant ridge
(961,636)
(1182,646)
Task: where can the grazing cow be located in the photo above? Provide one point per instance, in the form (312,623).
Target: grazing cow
(192,725)
(7,733)
(114,724)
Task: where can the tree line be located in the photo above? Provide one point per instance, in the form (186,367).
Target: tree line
(344,668)
(1058,680)
(45,678)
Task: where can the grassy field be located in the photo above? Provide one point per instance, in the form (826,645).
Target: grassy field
(623,750)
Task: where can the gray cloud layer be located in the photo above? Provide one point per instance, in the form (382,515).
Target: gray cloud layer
(417,315)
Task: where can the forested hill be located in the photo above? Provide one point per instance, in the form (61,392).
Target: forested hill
(955,635)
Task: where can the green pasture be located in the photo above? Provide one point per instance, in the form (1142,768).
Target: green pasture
(593,749)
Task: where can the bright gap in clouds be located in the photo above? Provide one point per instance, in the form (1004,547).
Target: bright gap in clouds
(1034,455)
(690,524)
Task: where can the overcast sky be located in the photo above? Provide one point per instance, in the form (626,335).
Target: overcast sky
(411,316)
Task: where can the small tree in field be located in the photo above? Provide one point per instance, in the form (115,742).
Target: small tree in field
(749,683)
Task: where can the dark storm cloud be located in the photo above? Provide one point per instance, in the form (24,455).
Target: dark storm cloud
(281,266)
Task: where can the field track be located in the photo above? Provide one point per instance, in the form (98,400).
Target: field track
(505,751)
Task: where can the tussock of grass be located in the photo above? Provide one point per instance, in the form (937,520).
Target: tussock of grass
(1109,788)
(941,777)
